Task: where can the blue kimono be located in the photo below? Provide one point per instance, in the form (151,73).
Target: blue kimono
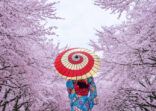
(83,103)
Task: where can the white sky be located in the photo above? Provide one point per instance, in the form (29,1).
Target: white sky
(81,18)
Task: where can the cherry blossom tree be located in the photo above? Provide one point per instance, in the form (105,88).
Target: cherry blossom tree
(129,57)
(117,6)
(27,78)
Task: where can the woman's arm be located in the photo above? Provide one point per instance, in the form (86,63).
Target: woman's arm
(70,90)
(93,91)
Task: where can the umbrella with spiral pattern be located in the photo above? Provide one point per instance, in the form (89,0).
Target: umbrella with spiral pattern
(77,63)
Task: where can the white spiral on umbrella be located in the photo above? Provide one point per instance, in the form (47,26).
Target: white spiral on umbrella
(71,66)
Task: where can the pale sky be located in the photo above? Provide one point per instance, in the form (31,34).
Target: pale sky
(81,19)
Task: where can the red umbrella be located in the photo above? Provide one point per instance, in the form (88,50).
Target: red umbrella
(77,63)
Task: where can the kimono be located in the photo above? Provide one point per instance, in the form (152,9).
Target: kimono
(82,103)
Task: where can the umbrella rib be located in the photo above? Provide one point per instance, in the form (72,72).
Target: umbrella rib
(66,66)
(74,74)
(82,68)
(77,67)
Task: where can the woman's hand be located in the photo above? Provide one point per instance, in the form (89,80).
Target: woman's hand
(96,100)
(77,109)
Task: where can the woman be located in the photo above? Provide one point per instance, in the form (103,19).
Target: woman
(82,94)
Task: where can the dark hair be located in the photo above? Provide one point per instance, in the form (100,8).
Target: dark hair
(82,84)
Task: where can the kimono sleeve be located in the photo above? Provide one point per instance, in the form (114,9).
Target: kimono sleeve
(93,91)
(70,89)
